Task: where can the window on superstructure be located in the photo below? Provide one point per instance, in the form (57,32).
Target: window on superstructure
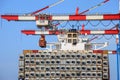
(69,35)
(74,35)
(74,40)
(69,40)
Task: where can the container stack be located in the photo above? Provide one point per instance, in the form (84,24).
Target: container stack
(63,65)
(21,66)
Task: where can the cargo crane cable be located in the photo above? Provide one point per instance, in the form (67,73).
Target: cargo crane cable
(62,26)
(113,22)
(95,37)
(66,23)
(85,24)
(99,37)
(106,25)
(78,27)
(116,26)
(114,36)
(49,6)
(98,5)
(77,23)
(92,38)
(94,25)
(69,24)
(54,25)
(108,38)
(101,22)
(59,23)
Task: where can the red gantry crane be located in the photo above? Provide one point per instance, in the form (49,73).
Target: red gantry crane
(45,20)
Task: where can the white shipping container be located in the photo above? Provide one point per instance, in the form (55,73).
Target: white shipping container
(21,63)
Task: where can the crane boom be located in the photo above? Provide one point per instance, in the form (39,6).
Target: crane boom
(82,32)
(100,4)
(49,6)
(61,17)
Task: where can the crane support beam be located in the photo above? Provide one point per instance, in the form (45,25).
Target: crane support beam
(100,4)
(61,17)
(82,32)
(49,6)
(118,49)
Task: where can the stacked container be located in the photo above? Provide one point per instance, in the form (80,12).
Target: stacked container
(63,65)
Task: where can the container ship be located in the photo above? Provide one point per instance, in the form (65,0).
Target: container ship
(73,57)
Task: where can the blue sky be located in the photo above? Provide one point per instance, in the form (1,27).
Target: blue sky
(12,42)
